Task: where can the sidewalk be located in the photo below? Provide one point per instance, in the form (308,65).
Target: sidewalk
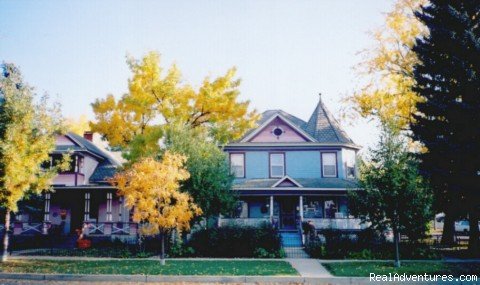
(309,267)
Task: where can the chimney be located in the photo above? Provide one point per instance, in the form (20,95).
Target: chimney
(88,135)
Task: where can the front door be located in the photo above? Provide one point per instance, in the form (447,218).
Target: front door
(288,213)
(77,212)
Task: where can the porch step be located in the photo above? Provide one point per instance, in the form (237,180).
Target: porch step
(291,239)
(295,252)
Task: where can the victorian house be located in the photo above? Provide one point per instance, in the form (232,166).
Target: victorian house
(82,200)
(288,170)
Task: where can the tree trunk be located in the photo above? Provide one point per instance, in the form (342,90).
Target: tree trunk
(162,253)
(396,240)
(473,242)
(448,227)
(5,236)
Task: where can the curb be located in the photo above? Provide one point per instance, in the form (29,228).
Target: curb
(202,279)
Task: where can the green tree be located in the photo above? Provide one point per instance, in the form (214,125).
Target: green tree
(210,179)
(393,194)
(27,136)
(448,80)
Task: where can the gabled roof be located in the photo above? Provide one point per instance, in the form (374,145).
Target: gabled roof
(270,114)
(87,145)
(286,178)
(285,119)
(107,164)
(321,126)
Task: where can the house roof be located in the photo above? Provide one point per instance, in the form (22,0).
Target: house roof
(321,126)
(107,164)
(317,183)
(324,127)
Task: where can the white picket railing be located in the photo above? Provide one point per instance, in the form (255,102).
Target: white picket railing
(94,228)
(254,222)
(124,229)
(338,224)
(31,228)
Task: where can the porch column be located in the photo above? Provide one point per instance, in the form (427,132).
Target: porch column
(108,215)
(300,202)
(86,215)
(46,215)
(120,209)
(271,209)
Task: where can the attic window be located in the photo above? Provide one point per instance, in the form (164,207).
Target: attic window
(277,131)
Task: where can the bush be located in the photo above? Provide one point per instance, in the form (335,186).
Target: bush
(364,245)
(234,241)
(315,248)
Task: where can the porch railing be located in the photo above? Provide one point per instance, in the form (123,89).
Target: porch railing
(25,228)
(94,228)
(337,224)
(110,228)
(254,222)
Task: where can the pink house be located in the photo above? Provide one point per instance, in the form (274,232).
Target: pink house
(83,200)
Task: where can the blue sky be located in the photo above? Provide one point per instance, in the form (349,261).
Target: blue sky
(286,52)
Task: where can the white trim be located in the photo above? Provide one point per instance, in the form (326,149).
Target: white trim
(285,178)
(108,217)
(292,144)
(273,117)
(297,189)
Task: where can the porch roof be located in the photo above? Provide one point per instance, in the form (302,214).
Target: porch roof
(307,183)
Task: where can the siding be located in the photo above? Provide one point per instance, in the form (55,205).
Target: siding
(299,164)
(303,164)
(256,164)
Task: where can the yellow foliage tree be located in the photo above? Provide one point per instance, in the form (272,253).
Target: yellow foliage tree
(27,136)
(151,189)
(78,126)
(387,71)
(154,100)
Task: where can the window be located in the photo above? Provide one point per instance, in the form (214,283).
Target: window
(349,164)
(237,164)
(329,165)
(277,165)
(312,207)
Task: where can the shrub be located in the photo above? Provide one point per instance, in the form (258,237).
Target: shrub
(364,245)
(234,241)
(315,248)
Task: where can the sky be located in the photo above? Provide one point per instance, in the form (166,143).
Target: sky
(286,52)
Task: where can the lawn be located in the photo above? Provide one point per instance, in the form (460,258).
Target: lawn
(363,269)
(151,267)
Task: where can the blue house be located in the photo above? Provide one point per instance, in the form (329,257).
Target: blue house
(288,171)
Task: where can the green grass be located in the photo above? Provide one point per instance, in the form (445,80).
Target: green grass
(151,267)
(363,269)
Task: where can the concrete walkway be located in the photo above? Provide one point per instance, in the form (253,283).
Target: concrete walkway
(309,267)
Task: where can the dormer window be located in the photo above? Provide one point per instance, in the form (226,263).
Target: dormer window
(277,165)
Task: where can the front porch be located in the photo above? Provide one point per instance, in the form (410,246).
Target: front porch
(91,212)
(288,212)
